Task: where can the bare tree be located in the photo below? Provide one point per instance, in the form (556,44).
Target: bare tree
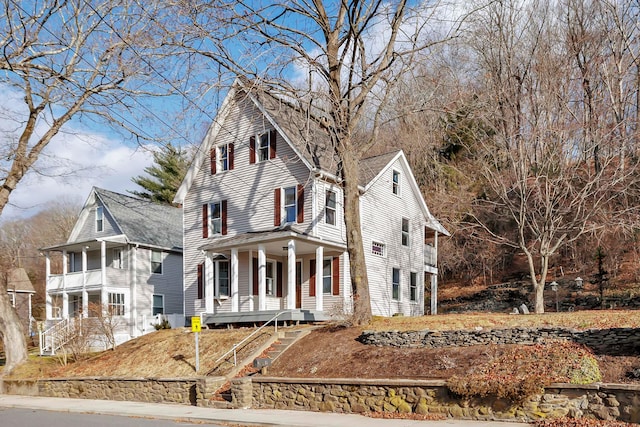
(66,59)
(337,61)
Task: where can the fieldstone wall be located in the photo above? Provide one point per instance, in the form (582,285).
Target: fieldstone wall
(189,391)
(600,401)
(614,341)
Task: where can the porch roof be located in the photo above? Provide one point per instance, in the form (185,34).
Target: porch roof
(274,241)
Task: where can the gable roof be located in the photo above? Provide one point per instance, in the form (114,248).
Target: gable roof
(18,281)
(143,221)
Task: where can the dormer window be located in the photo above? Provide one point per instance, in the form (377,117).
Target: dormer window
(99,219)
(262,147)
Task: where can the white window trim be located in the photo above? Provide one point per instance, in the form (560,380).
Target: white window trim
(216,279)
(161,262)
(417,288)
(112,303)
(396,187)
(259,145)
(117,255)
(335,208)
(399,284)
(283,209)
(382,245)
(219,164)
(274,279)
(210,208)
(153,305)
(330,259)
(403,232)
(99,219)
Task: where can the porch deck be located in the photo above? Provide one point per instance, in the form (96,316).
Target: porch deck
(249,317)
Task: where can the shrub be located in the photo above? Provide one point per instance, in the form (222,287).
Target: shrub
(164,324)
(521,371)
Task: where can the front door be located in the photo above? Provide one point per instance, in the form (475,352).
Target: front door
(298,284)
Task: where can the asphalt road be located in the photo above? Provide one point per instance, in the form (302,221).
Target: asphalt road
(20,417)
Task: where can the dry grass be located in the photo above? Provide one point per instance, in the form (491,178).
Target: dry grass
(160,354)
(577,320)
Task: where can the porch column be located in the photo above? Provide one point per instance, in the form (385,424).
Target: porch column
(132,266)
(291,275)
(47,267)
(262,278)
(85,303)
(235,298)
(319,262)
(84,265)
(208,283)
(65,305)
(103,275)
(48,307)
(434,278)
(65,262)
(48,313)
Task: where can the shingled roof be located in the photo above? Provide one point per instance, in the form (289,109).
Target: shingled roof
(18,281)
(143,221)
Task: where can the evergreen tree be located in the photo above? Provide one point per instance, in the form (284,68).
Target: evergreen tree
(165,176)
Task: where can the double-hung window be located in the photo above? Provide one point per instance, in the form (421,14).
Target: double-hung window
(405,232)
(290,204)
(413,286)
(116,304)
(263,147)
(223,156)
(99,218)
(327,275)
(222,278)
(156,262)
(330,208)
(215,219)
(271,278)
(118,258)
(395,284)
(158,304)
(395,183)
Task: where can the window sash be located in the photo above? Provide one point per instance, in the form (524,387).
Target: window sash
(405,232)
(271,278)
(223,278)
(263,147)
(395,284)
(330,208)
(99,219)
(215,222)
(396,182)
(223,156)
(413,286)
(158,304)
(290,205)
(327,275)
(156,262)
(116,304)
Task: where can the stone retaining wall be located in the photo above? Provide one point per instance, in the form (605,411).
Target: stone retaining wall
(189,391)
(600,401)
(614,341)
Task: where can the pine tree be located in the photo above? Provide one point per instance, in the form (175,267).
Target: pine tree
(165,176)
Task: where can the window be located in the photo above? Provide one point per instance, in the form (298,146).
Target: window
(326,275)
(290,204)
(156,262)
(330,207)
(223,154)
(215,220)
(413,286)
(405,232)
(118,260)
(377,248)
(222,278)
(56,306)
(271,278)
(72,267)
(395,284)
(395,185)
(221,158)
(99,219)
(116,304)
(263,147)
(158,304)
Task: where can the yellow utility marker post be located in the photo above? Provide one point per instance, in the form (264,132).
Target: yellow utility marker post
(196,327)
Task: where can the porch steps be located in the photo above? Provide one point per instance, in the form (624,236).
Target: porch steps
(287,339)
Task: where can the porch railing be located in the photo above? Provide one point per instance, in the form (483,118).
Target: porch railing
(55,337)
(274,319)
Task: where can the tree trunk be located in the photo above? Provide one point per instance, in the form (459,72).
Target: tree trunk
(13,339)
(357,266)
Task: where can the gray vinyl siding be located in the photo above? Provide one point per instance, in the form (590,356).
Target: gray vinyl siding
(248,190)
(169,283)
(382,213)
(88,228)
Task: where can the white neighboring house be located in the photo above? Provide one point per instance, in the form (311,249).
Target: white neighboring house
(264,229)
(124,253)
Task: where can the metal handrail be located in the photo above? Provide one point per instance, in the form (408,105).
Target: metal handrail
(235,346)
(53,333)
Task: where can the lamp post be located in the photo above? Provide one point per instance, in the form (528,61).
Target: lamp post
(554,288)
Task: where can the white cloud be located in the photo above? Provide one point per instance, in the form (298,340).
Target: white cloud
(71,165)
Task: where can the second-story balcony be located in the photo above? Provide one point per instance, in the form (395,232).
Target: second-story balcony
(430,256)
(83,279)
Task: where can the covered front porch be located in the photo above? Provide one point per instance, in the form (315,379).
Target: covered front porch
(252,277)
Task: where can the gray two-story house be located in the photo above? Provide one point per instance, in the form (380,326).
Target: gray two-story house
(264,229)
(124,255)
